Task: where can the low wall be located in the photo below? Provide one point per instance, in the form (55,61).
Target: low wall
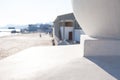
(100,47)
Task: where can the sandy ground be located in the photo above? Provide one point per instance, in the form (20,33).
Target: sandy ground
(12,44)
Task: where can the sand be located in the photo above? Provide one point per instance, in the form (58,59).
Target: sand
(12,44)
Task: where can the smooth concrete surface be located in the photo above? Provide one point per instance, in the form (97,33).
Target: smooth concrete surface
(57,63)
(98,18)
(26,64)
(99,47)
(110,64)
(78,69)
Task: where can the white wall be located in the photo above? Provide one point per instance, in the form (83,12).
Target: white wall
(99,47)
(77,34)
(67,30)
(61,32)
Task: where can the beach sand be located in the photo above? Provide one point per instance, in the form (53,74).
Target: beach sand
(12,44)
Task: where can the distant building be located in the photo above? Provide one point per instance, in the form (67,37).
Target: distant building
(67,28)
(32,28)
(11,30)
(46,28)
(11,27)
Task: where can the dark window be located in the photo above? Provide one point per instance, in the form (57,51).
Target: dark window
(69,24)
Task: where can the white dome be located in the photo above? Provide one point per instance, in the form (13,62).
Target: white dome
(98,18)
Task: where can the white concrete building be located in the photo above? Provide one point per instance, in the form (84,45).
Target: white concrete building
(66,28)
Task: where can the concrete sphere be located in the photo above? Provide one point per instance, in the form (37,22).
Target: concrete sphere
(98,18)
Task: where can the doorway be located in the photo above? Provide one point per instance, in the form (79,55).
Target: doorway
(70,36)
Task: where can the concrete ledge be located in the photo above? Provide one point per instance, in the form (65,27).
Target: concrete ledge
(99,47)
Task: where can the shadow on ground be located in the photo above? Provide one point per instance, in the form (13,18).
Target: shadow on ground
(110,64)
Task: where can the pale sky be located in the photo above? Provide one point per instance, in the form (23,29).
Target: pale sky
(32,11)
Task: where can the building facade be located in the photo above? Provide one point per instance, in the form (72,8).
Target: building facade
(67,28)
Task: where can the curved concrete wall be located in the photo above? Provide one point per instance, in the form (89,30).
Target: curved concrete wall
(98,18)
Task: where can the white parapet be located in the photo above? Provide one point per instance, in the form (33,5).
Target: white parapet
(99,47)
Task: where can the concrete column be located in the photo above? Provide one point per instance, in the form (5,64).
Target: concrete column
(63,30)
(100,20)
(74,25)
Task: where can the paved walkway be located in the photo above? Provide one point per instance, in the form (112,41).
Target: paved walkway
(55,63)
